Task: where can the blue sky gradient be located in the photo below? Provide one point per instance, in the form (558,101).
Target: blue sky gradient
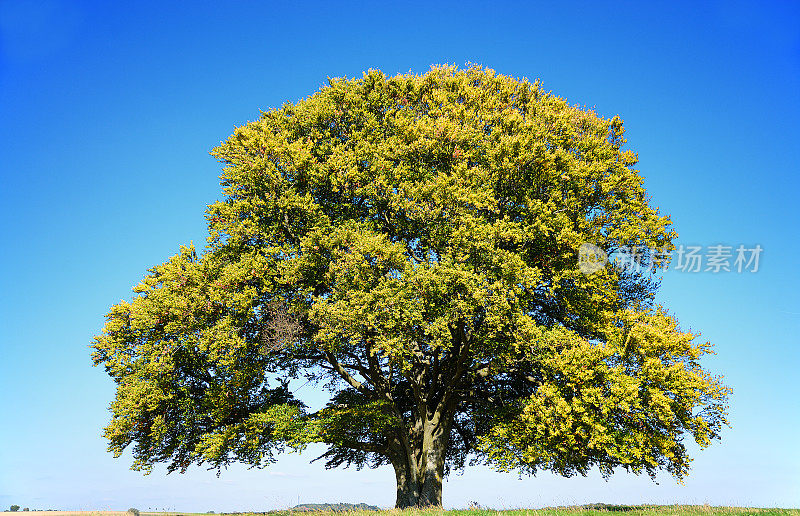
(108,112)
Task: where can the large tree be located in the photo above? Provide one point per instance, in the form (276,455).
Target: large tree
(410,243)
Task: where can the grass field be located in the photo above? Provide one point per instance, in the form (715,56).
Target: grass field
(610,510)
(616,510)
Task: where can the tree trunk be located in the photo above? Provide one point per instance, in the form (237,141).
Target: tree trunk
(407,486)
(418,492)
(433,471)
(419,473)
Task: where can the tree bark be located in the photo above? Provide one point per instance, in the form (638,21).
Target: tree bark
(420,470)
(407,486)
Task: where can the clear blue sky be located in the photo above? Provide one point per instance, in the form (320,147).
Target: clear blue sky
(107,114)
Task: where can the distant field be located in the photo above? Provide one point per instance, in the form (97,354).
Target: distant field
(610,510)
(624,510)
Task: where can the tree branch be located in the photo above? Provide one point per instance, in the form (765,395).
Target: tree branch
(359,386)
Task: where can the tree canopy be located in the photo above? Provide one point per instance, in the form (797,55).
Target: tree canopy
(411,244)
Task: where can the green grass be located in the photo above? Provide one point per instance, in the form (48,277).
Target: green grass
(610,510)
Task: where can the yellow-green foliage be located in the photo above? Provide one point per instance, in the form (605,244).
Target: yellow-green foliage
(424,232)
